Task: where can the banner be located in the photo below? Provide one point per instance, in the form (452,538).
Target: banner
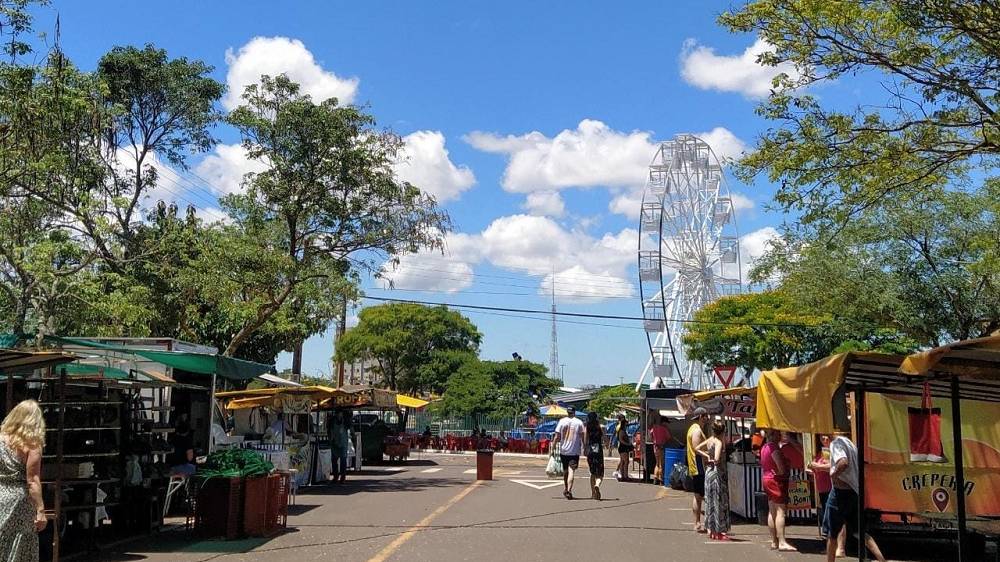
(736,408)
(895,483)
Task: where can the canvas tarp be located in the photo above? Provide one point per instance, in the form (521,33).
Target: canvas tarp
(802,399)
(976,358)
(200,363)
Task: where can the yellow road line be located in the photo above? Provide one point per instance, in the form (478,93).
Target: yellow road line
(392,547)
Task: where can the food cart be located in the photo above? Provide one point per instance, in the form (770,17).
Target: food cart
(737,408)
(256,409)
(909,482)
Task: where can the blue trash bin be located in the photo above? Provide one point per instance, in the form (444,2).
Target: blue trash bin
(670,458)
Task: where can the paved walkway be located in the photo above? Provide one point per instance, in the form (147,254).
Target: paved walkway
(432,508)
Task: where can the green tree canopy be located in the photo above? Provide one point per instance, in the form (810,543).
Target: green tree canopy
(328,201)
(926,266)
(933,118)
(496,388)
(768,330)
(606,400)
(406,342)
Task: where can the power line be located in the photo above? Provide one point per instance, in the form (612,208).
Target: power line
(506,293)
(591,315)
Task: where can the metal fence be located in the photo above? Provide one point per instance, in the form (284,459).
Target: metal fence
(463,426)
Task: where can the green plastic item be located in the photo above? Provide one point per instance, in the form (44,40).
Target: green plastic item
(234,463)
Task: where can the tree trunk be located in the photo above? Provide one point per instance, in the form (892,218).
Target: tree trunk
(297,360)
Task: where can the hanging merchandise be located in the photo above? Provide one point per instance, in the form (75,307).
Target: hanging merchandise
(925,431)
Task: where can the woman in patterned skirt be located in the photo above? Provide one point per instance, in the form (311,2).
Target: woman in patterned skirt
(22,512)
(713,450)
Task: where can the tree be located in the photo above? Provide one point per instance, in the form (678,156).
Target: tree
(927,266)
(937,61)
(471,391)
(606,400)
(402,338)
(496,388)
(329,201)
(768,330)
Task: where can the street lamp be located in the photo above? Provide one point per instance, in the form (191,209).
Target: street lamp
(562,373)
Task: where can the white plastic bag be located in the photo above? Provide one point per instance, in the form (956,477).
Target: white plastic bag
(554,467)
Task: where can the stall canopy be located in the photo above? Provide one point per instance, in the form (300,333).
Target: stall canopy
(688,402)
(802,398)
(201,363)
(323,397)
(17,361)
(405,401)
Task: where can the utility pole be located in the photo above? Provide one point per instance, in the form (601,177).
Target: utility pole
(554,353)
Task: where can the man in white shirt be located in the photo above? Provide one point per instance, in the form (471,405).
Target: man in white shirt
(569,436)
(842,506)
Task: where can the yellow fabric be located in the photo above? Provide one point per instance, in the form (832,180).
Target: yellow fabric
(799,398)
(925,361)
(410,402)
(554,410)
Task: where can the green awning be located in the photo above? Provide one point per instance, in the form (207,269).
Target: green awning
(88,370)
(201,363)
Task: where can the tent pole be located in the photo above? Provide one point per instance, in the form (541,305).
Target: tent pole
(861,411)
(956,431)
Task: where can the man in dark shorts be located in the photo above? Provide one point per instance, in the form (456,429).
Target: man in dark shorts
(569,436)
(842,504)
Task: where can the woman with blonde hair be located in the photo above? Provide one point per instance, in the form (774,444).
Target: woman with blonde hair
(22,511)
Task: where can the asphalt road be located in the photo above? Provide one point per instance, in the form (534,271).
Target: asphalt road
(432,508)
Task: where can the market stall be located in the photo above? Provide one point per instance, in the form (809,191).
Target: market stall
(737,407)
(282,423)
(925,450)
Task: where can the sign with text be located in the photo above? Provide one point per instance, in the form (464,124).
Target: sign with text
(799,496)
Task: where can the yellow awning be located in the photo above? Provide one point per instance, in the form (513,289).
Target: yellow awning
(978,358)
(410,402)
(799,398)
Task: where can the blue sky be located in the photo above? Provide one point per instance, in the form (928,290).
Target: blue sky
(532,121)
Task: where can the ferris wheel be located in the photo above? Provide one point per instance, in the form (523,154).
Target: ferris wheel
(689,255)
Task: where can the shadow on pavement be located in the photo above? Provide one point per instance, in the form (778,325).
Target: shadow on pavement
(360,484)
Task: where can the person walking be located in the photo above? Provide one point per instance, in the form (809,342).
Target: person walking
(569,436)
(695,482)
(713,450)
(595,454)
(22,510)
(842,505)
(624,448)
(820,467)
(774,478)
(659,435)
(340,444)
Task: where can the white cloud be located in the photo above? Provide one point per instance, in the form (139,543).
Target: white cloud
(426,165)
(225,167)
(627,203)
(530,245)
(592,155)
(741,202)
(754,245)
(282,55)
(724,143)
(429,271)
(545,203)
(741,73)
(578,284)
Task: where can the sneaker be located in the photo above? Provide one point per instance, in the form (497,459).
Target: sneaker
(618,475)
